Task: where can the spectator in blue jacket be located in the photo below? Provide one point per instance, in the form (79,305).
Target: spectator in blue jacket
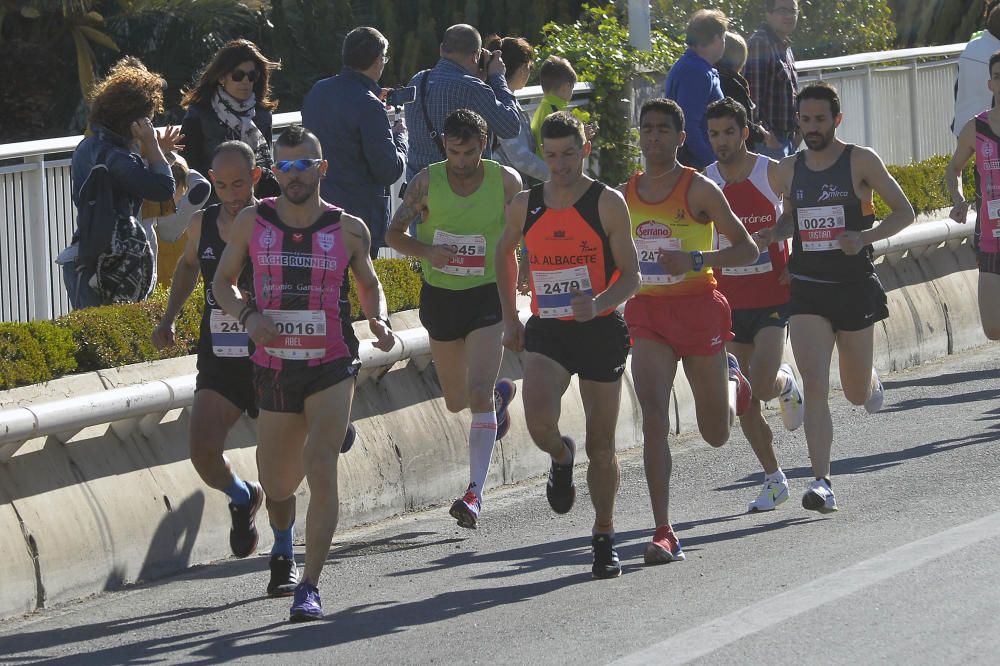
(366,155)
(693,82)
(120,135)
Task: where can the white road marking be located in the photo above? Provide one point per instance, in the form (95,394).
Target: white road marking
(722,631)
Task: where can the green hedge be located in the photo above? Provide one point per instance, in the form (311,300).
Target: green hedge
(923,183)
(115,335)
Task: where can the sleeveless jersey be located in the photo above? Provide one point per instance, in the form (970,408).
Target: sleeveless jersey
(987,185)
(568,250)
(471,225)
(668,224)
(297,276)
(221,334)
(758,207)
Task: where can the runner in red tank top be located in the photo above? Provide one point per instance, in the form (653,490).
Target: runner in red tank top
(583,266)
(678,315)
(758,294)
(304,371)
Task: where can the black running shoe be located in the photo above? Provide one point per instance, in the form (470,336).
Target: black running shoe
(561,491)
(284,576)
(243,535)
(606,564)
(349,438)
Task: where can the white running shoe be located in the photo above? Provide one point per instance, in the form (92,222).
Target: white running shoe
(793,410)
(771,495)
(819,497)
(877,399)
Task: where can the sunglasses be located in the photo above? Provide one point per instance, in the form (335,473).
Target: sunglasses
(284,166)
(240,74)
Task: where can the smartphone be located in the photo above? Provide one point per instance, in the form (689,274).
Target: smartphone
(401,96)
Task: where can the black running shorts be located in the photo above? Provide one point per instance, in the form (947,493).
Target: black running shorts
(989,262)
(451,314)
(286,390)
(232,378)
(595,350)
(849,306)
(747,323)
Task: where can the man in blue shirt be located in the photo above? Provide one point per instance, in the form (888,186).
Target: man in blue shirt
(693,82)
(466,77)
(347,114)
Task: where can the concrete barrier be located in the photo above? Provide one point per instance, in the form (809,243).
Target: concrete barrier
(107,507)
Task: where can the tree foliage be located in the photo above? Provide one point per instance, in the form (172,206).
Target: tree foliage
(933,22)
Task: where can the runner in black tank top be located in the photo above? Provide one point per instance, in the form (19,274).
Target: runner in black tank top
(224,385)
(836,296)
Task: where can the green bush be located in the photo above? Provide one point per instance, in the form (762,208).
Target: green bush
(23,361)
(923,184)
(400,281)
(57,345)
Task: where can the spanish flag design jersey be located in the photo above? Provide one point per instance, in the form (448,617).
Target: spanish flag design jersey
(668,224)
(568,251)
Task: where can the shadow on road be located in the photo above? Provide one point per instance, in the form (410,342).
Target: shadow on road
(944,379)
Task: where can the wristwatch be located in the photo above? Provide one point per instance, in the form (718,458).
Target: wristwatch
(698,259)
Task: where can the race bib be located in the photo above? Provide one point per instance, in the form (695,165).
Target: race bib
(649,251)
(229,338)
(301,334)
(554,290)
(762,265)
(993,209)
(820,227)
(470,253)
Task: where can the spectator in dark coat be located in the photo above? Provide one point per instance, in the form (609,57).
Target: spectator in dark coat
(365,152)
(232,101)
(774,81)
(693,82)
(736,87)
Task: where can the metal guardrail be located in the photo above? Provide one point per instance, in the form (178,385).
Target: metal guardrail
(144,405)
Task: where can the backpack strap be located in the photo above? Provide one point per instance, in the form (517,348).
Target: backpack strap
(435,137)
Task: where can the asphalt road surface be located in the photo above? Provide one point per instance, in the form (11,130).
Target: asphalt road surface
(906,571)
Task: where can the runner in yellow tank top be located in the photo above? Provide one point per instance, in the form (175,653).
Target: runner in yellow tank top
(460,203)
(678,314)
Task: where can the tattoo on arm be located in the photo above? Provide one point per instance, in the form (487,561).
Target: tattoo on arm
(409,209)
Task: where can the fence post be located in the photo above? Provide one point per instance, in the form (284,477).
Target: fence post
(867,106)
(37,225)
(917,154)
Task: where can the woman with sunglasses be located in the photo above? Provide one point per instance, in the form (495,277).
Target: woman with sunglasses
(232,101)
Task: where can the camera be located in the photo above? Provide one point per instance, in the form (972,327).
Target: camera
(401,96)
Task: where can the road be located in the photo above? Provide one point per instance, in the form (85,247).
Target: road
(906,571)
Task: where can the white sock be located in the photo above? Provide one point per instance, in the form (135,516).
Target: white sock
(482,438)
(777,476)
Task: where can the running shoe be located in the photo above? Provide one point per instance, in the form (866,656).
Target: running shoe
(466,510)
(877,399)
(819,497)
(284,576)
(243,534)
(793,410)
(771,495)
(743,391)
(503,395)
(561,490)
(349,438)
(665,547)
(307,605)
(606,562)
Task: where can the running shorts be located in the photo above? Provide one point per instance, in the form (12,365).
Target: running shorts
(451,314)
(848,306)
(232,378)
(989,262)
(286,390)
(748,322)
(697,325)
(595,350)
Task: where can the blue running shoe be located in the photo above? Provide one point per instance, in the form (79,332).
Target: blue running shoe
(503,395)
(349,438)
(307,605)
(243,535)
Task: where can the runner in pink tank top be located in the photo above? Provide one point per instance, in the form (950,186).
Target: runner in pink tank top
(980,138)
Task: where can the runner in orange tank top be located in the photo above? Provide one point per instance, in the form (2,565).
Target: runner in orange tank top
(583,266)
(678,314)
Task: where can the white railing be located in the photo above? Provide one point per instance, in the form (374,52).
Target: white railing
(37,216)
(145,405)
